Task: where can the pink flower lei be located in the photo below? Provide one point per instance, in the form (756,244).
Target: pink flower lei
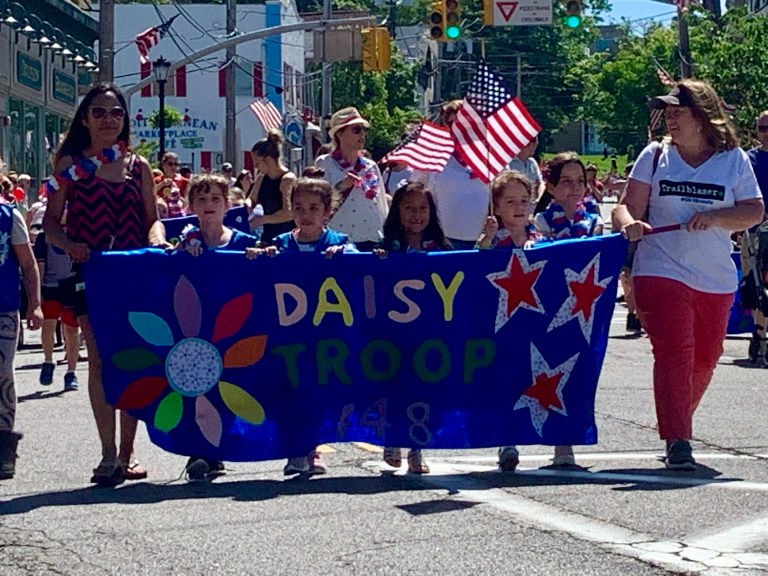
(86,167)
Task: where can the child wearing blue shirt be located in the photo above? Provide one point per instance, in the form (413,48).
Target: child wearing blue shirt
(209,199)
(312,202)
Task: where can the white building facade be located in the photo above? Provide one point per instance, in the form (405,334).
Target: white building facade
(271,68)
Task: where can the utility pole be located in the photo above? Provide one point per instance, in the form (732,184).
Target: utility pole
(684,49)
(106,41)
(230,143)
(325,104)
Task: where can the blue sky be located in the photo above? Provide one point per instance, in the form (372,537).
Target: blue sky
(640,9)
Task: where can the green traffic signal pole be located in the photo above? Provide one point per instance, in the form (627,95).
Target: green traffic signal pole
(263,33)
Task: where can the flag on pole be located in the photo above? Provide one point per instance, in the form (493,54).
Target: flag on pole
(664,77)
(151,37)
(267,113)
(427,148)
(491,127)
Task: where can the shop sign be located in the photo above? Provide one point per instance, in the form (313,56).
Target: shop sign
(64,88)
(29,71)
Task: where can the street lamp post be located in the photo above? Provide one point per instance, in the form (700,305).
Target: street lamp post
(161,67)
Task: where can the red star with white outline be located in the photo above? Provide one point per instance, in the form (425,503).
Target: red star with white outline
(585,291)
(545,395)
(517,287)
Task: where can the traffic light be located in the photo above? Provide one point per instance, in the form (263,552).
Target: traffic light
(377,53)
(572,14)
(445,20)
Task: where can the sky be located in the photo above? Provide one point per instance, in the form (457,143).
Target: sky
(636,10)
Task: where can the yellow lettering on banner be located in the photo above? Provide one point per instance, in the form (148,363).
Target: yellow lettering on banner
(299,296)
(324,307)
(447,295)
(413,310)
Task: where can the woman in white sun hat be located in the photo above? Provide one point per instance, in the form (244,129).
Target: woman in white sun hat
(357,180)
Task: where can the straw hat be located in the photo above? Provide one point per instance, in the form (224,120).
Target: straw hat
(346,117)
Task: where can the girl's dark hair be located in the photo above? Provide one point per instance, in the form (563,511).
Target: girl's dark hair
(556,164)
(269,146)
(311,182)
(204,183)
(78,139)
(393,228)
(239,180)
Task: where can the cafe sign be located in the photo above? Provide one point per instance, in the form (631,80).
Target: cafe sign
(64,87)
(29,71)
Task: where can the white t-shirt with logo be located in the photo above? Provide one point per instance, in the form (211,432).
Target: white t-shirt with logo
(700,259)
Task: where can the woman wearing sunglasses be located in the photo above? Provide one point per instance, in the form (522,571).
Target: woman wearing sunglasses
(111,204)
(364,205)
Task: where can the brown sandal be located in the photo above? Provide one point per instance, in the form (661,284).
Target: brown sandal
(133,470)
(393,457)
(416,463)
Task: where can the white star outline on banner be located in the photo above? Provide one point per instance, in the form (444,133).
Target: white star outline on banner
(502,313)
(572,308)
(539,369)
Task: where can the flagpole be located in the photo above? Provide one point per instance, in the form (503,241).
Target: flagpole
(106,41)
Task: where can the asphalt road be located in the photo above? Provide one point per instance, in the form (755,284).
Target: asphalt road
(620,513)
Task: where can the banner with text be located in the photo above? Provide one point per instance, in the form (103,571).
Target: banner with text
(239,359)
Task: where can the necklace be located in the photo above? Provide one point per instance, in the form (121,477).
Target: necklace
(86,167)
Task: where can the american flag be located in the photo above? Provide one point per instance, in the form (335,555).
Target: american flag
(151,37)
(268,115)
(428,148)
(492,126)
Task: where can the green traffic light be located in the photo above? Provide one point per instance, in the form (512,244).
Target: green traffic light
(573,21)
(452,32)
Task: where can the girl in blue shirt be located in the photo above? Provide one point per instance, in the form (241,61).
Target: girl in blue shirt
(411,226)
(312,203)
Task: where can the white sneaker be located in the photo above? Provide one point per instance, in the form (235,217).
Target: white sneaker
(298,465)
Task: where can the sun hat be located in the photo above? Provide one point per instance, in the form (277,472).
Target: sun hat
(346,117)
(676,97)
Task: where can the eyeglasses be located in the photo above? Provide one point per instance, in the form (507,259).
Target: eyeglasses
(357,129)
(98,112)
(763,128)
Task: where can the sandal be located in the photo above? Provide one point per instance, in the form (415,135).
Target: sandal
(132,470)
(393,457)
(107,473)
(416,462)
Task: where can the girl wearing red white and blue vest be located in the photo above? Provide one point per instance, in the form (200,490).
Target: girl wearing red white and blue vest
(567,218)
(15,253)
(111,205)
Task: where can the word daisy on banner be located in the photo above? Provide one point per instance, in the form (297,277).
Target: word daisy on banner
(492,126)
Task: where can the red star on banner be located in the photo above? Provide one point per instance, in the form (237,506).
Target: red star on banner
(585,291)
(517,287)
(544,389)
(545,395)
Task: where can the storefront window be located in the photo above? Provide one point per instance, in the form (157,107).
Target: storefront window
(31,139)
(16,145)
(54,126)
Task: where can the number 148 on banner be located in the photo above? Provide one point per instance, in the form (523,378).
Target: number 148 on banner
(517,12)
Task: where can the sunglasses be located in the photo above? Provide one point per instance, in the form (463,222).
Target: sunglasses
(357,129)
(98,112)
(763,128)
(172,163)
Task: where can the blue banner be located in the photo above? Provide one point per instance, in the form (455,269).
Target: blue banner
(236,217)
(238,359)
